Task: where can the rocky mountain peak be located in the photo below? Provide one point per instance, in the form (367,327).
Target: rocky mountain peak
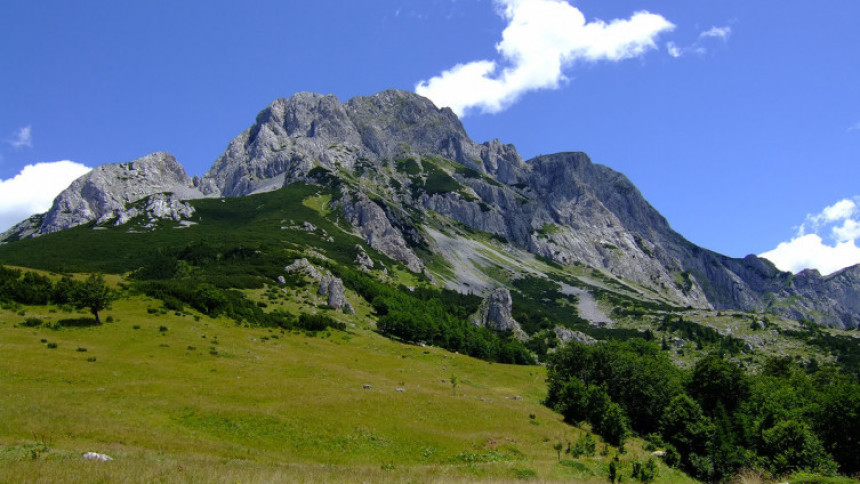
(107,190)
(294,135)
(393,122)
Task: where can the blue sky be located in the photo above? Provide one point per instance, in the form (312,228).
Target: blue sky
(738,120)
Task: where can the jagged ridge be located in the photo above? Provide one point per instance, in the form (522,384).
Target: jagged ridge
(393,151)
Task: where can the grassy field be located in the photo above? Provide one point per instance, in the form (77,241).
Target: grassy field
(185,398)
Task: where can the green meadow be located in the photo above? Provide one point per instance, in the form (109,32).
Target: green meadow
(181,397)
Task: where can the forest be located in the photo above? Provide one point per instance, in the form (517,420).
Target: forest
(715,419)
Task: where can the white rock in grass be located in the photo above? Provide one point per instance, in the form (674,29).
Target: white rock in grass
(97,456)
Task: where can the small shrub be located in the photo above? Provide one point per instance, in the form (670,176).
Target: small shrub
(52,345)
(162,329)
(77,322)
(585,445)
(136,326)
(644,472)
(31,323)
(91,359)
(43,340)
(151,310)
(81,349)
(109,319)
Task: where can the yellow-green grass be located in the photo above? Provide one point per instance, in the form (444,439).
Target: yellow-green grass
(179,398)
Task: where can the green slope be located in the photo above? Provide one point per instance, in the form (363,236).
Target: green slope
(187,398)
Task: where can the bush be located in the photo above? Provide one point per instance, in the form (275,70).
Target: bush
(585,445)
(644,472)
(791,446)
(77,322)
(31,323)
(318,322)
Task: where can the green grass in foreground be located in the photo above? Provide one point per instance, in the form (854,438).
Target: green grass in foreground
(175,399)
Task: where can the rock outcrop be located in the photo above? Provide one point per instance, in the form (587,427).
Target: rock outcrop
(363,260)
(303,266)
(332,288)
(566,335)
(495,314)
(160,206)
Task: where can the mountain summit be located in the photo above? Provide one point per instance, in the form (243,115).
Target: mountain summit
(416,188)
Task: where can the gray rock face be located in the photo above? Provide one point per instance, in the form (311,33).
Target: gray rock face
(374,226)
(160,206)
(495,313)
(107,191)
(292,136)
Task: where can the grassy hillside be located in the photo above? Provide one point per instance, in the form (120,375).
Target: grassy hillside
(187,398)
(213,379)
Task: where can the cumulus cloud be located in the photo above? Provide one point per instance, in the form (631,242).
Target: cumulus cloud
(826,241)
(23,137)
(33,189)
(717,32)
(697,47)
(541,40)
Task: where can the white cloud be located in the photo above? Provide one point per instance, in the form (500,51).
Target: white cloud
(849,230)
(674,50)
(697,48)
(23,137)
(854,127)
(541,40)
(840,210)
(717,32)
(839,222)
(810,252)
(33,190)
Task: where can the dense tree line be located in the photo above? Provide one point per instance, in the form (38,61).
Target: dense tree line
(213,301)
(714,419)
(434,316)
(34,289)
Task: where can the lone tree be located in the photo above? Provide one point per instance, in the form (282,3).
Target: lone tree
(92,294)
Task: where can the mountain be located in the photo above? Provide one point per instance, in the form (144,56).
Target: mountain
(417,189)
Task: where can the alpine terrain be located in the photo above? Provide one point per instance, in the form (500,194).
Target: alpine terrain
(380,220)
